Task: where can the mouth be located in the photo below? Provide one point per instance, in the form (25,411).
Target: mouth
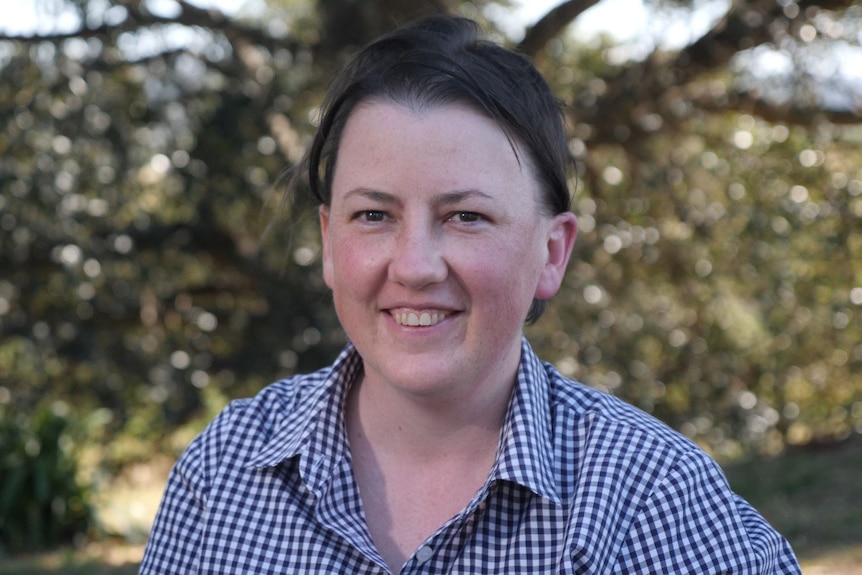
(418,318)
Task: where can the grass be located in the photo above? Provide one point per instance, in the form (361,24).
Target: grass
(812,496)
(105,558)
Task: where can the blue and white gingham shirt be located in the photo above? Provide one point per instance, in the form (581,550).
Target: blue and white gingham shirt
(582,483)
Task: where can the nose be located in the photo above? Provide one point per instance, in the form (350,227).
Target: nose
(417,258)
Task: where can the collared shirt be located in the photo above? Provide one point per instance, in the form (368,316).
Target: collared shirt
(582,483)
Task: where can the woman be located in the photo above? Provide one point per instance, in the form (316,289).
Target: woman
(437,441)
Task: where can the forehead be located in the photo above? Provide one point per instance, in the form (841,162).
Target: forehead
(380,134)
(422,105)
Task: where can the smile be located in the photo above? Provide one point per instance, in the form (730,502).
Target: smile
(418,319)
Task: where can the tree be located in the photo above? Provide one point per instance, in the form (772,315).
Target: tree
(717,280)
(721,256)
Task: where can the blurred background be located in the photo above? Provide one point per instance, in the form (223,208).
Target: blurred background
(150,270)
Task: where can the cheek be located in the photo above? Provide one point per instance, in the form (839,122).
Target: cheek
(503,273)
(353,266)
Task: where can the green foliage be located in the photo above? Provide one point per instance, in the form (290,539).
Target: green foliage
(716,280)
(42,501)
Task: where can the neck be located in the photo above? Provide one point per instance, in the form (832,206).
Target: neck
(427,429)
(419,461)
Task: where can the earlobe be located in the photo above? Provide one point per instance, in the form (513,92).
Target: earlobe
(561,239)
(326,257)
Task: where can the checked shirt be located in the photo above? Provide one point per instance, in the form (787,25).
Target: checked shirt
(583,483)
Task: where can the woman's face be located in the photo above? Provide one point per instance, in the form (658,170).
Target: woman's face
(434,246)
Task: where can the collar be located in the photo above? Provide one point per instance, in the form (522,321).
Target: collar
(525,455)
(314,429)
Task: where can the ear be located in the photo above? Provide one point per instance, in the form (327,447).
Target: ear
(326,246)
(561,238)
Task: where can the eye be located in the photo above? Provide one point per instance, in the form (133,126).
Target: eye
(370,216)
(466,217)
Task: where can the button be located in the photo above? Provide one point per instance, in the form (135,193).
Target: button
(423,554)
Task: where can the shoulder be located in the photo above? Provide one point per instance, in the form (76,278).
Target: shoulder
(576,404)
(267,410)
(615,451)
(646,491)
(246,426)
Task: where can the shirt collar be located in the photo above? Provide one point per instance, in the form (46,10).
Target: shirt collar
(315,428)
(526,443)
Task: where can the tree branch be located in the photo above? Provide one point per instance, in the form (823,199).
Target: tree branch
(552,24)
(139,18)
(216,20)
(786,114)
(647,83)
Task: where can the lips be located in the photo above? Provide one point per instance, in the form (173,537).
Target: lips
(418,318)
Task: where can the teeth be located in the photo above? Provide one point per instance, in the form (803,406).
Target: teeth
(419,319)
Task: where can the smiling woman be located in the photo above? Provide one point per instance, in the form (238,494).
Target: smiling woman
(460,236)
(438,441)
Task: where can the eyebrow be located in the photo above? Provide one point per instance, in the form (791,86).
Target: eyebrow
(371,194)
(444,199)
(452,198)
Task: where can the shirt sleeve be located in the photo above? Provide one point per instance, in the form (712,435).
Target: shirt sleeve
(693,523)
(174,540)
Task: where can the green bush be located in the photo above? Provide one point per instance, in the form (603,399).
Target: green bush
(42,502)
